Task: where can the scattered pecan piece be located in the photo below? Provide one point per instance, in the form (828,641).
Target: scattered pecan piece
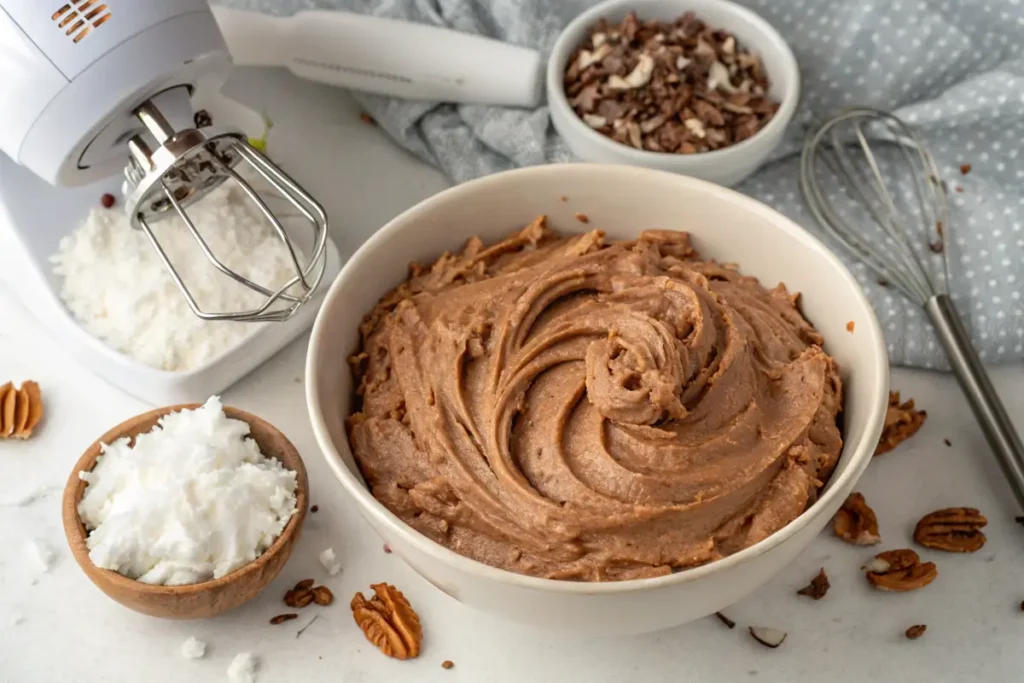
(955,530)
(850,326)
(725,620)
(323,596)
(388,621)
(818,586)
(900,571)
(304,585)
(769,637)
(855,522)
(902,421)
(315,508)
(582,218)
(965,168)
(916,631)
(20,410)
(447,664)
(281,618)
(1019,520)
(297,598)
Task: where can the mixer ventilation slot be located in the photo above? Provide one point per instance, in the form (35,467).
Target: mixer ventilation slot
(77,18)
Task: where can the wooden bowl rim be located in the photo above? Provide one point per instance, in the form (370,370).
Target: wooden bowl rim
(74,528)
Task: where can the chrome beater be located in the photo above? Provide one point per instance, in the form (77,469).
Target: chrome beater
(871,183)
(186,163)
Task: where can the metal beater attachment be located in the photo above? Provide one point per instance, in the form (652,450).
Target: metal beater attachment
(873,186)
(185,165)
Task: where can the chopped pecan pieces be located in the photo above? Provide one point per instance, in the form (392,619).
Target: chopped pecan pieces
(725,620)
(281,618)
(818,586)
(322,596)
(916,631)
(388,621)
(900,571)
(965,169)
(955,530)
(447,664)
(855,522)
(902,421)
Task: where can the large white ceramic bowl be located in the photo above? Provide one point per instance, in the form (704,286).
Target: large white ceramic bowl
(727,166)
(621,201)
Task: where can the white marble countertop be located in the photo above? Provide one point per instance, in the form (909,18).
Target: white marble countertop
(56,626)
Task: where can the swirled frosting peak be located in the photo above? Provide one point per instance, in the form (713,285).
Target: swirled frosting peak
(577,408)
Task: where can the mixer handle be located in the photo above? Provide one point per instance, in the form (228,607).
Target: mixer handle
(988,408)
(386,56)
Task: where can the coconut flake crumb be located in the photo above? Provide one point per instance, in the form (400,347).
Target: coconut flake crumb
(330,562)
(41,554)
(243,668)
(193,649)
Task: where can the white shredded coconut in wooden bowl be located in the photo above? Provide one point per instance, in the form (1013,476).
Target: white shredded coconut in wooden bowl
(116,287)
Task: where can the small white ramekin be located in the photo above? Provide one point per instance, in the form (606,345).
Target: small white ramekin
(622,201)
(726,166)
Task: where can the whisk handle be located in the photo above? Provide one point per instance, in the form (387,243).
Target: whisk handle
(988,408)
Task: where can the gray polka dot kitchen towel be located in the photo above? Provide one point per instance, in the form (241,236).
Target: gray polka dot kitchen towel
(954,68)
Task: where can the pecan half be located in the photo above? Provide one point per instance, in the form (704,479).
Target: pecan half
(818,586)
(388,621)
(902,421)
(900,571)
(955,530)
(322,595)
(855,522)
(20,410)
(281,618)
(298,598)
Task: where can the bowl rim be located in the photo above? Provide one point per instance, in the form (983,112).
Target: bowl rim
(76,534)
(858,459)
(570,36)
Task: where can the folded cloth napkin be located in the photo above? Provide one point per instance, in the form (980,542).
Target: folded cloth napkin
(954,68)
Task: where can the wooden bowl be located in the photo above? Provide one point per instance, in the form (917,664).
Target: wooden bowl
(200,600)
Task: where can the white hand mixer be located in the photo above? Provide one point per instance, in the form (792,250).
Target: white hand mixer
(93,90)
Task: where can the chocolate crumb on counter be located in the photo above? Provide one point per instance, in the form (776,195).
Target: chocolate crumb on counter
(818,586)
(680,87)
(725,620)
(582,218)
(107,200)
(916,631)
(315,508)
(947,442)
(367,119)
(965,168)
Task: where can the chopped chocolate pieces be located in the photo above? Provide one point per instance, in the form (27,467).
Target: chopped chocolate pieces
(902,421)
(725,620)
(818,586)
(678,87)
(916,631)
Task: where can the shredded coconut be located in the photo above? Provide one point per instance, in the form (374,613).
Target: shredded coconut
(330,562)
(193,648)
(242,668)
(194,499)
(117,288)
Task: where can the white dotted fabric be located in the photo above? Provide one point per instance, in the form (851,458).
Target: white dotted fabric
(953,68)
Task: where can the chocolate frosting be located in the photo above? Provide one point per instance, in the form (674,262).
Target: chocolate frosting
(574,408)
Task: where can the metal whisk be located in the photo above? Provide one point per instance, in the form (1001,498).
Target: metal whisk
(174,164)
(866,161)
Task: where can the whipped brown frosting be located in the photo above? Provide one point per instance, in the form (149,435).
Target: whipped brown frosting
(577,408)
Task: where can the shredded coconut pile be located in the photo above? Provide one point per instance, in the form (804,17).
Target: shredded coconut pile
(193,499)
(116,286)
